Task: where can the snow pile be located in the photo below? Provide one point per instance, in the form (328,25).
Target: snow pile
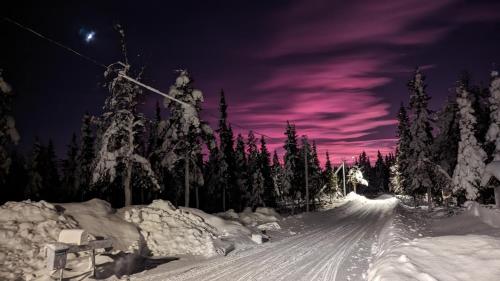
(443,258)
(25,228)
(225,228)
(170,231)
(466,247)
(262,215)
(490,217)
(98,218)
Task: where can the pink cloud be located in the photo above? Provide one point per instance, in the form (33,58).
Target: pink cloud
(339,55)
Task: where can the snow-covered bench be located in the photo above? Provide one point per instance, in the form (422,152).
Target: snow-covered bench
(72,241)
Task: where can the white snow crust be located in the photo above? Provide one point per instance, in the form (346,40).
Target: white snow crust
(25,228)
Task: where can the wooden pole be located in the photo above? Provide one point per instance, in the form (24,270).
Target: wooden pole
(343,175)
(186,180)
(306,174)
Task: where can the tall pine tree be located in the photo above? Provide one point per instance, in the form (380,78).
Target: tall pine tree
(493,135)
(255,178)
(226,156)
(34,189)
(471,157)
(85,158)
(291,180)
(277,176)
(184,135)
(117,149)
(421,138)
(269,196)
(400,177)
(239,194)
(8,132)
(69,186)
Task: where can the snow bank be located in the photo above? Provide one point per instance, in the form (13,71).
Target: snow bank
(262,215)
(25,228)
(170,231)
(466,248)
(225,228)
(489,216)
(98,218)
(453,258)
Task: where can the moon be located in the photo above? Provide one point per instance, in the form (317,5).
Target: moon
(89,36)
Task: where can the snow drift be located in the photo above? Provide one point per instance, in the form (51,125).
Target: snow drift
(262,215)
(99,219)
(489,216)
(25,229)
(159,229)
(444,258)
(465,247)
(170,231)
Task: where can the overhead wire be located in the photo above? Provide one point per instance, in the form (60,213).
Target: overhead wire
(100,64)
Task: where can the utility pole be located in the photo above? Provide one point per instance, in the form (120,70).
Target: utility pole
(306,172)
(343,175)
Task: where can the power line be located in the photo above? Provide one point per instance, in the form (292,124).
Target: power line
(55,42)
(94,61)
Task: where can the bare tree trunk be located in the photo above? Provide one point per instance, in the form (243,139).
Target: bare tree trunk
(197,198)
(186,180)
(223,198)
(429,198)
(497,196)
(127,186)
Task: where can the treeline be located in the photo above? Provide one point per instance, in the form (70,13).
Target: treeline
(443,155)
(126,158)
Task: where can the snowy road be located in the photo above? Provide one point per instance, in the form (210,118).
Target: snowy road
(336,245)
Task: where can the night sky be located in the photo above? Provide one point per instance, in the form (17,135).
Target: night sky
(337,69)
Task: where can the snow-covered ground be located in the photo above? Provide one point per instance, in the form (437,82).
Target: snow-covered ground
(441,245)
(352,239)
(334,244)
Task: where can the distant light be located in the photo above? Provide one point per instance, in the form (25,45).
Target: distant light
(90,36)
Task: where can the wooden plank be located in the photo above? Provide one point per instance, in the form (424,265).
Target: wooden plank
(92,245)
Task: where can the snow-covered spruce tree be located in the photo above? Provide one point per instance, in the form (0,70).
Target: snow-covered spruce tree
(34,187)
(69,172)
(400,178)
(85,158)
(447,138)
(330,178)
(365,166)
(315,178)
(291,180)
(471,157)
(277,176)
(380,173)
(493,134)
(8,132)
(226,155)
(184,134)
(421,139)
(154,144)
(255,178)
(239,193)
(50,173)
(355,177)
(212,189)
(269,196)
(116,150)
